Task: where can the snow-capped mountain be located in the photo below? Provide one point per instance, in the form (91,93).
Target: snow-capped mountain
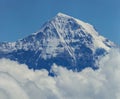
(63,40)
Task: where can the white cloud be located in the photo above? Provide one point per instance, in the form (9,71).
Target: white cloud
(17,82)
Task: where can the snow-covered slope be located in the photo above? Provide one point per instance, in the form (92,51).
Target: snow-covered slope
(63,40)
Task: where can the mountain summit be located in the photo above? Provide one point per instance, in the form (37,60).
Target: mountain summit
(64,40)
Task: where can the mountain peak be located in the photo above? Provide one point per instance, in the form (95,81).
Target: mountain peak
(64,19)
(62,15)
(64,40)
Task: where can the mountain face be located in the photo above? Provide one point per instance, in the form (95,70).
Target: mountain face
(64,40)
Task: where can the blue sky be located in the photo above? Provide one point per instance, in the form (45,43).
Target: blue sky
(19,18)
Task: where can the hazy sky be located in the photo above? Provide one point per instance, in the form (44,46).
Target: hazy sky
(19,18)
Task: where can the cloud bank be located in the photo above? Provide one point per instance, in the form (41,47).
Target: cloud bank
(18,82)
